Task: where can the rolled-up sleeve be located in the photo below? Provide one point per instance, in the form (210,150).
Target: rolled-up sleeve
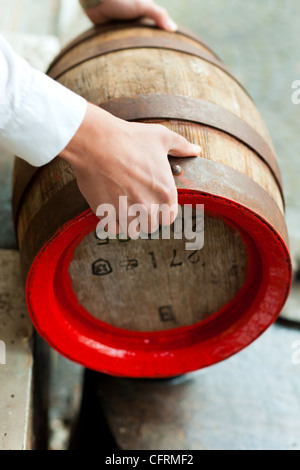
(38,116)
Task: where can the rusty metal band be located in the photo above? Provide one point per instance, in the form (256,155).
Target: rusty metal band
(182,108)
(119,26)
(157,107)
(134,43)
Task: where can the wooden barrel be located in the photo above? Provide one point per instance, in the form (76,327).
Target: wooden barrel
(149,308)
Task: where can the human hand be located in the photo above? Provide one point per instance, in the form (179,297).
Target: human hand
(114,158)
(129,10)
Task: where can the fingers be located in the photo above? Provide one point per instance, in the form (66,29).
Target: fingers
(168,214)
(148,219)
(139,218)
(107,228)
(180,147)
(160,16)
(145,215)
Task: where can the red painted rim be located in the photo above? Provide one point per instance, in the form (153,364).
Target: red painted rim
(69,329)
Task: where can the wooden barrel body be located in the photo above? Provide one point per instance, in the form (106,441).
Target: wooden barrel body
(149,308)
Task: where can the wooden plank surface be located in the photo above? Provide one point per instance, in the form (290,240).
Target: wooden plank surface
(16,374)
(153,285)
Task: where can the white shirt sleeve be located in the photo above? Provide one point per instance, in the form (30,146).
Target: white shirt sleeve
(38,116)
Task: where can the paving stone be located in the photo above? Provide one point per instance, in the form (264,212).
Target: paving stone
(249,402)
(16,365)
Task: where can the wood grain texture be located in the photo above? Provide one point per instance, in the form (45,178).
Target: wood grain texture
(133,293)
(133,72)
(154,285)
(158,71)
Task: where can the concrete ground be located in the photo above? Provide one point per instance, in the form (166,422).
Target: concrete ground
(251,401)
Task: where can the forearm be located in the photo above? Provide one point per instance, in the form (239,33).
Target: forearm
(38,116)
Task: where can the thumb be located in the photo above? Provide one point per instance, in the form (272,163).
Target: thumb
(160,16)
(180,147)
